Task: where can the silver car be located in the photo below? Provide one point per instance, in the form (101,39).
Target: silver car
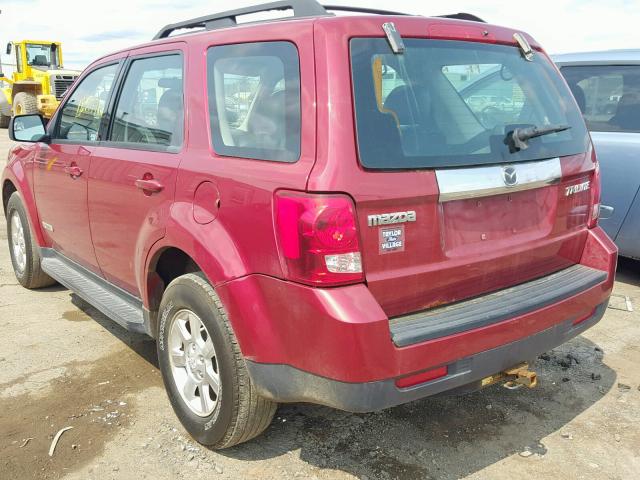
(606,86)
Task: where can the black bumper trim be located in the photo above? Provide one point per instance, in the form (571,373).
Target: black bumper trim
(284,383)
(494,307)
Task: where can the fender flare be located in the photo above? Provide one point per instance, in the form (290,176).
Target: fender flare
(219,264)
(14,173)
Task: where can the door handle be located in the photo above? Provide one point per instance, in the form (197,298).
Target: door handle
(149,185)
(73,170)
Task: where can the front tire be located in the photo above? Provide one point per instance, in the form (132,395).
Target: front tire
(25,253)
(203,369)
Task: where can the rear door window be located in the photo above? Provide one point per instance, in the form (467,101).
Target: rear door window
(254,100)
(452,103)
(608,95)
(150,111)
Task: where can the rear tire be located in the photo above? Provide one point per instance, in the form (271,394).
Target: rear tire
(25,252)
(198,350)
(25,103)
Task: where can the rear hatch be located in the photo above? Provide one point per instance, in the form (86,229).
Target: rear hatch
(462,212)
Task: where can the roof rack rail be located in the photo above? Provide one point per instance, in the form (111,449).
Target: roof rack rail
(301,8)
(463,16)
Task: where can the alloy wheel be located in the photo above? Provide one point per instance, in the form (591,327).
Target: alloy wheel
(18,244)
(194,363)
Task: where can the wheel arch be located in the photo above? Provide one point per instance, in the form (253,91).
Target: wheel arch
(7,190)
(15,180)
(164,265)
(187,246)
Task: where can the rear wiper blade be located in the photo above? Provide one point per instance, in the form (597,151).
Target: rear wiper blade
(517,138)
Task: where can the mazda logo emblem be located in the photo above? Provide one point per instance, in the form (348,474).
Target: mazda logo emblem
(509,176)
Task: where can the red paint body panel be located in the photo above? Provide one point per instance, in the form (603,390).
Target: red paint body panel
(122,236)
(343,334)
(19,173)
(62,200)
(454,250)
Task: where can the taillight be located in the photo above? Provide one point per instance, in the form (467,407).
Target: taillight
(594,209)
(318,238)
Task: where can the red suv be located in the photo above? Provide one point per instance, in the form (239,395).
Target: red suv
(355,211)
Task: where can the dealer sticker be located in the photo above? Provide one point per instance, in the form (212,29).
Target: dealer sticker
(391,239)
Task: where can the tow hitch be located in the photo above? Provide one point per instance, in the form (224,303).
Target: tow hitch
(514,377)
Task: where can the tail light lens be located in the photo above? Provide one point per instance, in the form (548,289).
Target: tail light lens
(594,211)
(318,238)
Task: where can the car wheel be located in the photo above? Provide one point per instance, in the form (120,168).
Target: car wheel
(25,253)
(202,367)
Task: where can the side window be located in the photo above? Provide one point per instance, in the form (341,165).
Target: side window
(82,113)
(254,100)
(18,50)
(150,107)
(608,95)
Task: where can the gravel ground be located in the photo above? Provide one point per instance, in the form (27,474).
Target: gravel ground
(63,364)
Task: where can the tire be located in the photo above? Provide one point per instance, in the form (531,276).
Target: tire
(26,258)
(233,414)
(25,103)
(4,121)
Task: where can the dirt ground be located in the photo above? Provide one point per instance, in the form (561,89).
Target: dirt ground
(64,364)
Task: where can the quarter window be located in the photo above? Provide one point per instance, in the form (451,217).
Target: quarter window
(254,100)
(82,114)
(150,108)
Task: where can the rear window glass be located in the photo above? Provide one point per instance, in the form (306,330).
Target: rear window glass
(254,100)
(451,103)
(608,95)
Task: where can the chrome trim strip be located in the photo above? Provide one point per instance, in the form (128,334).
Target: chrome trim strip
(476,182)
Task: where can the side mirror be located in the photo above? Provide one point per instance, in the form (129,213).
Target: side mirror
(9,48)
(28,128)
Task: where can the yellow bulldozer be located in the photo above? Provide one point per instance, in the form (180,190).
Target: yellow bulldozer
(38,81)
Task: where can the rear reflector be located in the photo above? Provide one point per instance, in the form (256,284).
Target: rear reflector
(582,319)
(422,377)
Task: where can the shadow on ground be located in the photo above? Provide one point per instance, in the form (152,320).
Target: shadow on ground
(443,437)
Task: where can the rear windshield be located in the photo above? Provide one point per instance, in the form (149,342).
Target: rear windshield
(451,103)
(608,95)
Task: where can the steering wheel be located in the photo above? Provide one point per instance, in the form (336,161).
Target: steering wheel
(490,116)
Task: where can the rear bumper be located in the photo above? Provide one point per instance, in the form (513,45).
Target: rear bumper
(335,346)
(284,383)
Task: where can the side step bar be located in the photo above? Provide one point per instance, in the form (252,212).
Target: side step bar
(115,303)
(493,307)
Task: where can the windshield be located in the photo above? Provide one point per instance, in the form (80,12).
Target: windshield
(43,56)
(452,103)
(608,95)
